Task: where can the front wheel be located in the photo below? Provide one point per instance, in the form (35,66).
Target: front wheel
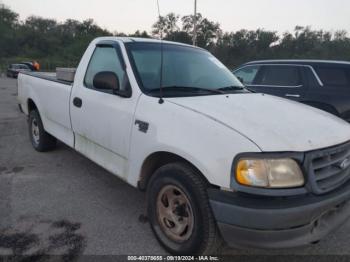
(179,211)
(41,140)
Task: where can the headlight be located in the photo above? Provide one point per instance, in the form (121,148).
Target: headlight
(269,173)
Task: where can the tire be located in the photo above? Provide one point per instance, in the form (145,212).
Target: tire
(40,139)
(177,195)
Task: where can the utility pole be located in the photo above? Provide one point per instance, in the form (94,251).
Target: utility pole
(195,24)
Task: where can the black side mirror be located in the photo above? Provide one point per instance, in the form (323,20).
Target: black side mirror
(106,81)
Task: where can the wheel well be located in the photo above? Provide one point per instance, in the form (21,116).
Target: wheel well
(31,105)
(157,160)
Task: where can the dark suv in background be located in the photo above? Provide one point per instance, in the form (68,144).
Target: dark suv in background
(321,84)
(14,69)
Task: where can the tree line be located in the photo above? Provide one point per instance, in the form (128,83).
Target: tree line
(62,44)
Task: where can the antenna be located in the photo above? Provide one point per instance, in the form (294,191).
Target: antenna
(161,100)
(195,23)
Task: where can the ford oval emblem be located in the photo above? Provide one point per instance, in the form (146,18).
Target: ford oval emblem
(345,164)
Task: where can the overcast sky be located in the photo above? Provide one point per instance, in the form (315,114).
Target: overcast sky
(130,15)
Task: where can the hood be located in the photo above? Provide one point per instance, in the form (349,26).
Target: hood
(274,124)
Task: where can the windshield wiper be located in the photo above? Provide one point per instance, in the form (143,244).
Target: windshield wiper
(236,88)
(187,89)
(232,88)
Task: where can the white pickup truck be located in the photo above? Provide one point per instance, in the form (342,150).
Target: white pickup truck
(217,161)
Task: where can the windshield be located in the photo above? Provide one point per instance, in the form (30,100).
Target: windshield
(185,70)
(19,66)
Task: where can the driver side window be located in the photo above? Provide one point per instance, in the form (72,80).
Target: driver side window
(104,58)
(247,74)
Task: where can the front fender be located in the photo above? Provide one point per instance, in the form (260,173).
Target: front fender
(205,143)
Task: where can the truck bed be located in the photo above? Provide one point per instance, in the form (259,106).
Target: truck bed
(50,76)
(52,99)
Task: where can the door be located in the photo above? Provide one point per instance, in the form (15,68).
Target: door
(332,90)
(279,80)
(102,120)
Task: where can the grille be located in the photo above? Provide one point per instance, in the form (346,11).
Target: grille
(328,168)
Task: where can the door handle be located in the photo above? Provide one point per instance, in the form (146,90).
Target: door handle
(293,95)
(77,102)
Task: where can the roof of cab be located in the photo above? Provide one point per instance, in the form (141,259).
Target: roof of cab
(143,40)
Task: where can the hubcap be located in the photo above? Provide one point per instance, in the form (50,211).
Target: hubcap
(35,131)
(175,214)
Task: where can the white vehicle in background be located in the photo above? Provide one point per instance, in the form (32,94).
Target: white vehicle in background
(217,161)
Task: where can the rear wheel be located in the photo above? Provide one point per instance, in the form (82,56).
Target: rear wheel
(179,211)
(41,140)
